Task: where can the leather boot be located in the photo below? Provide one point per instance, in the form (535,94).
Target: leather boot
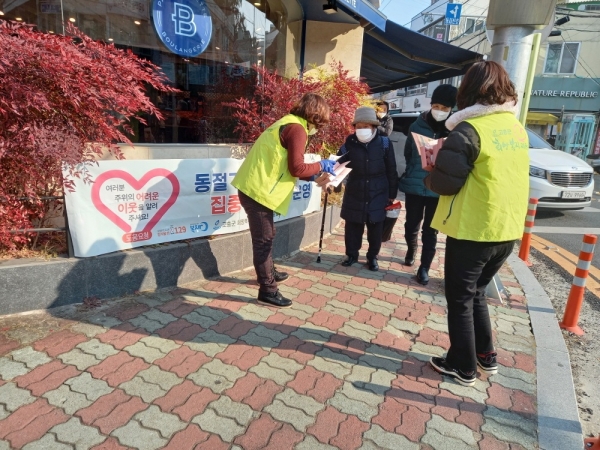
(280,276)
(273,299)
(349,261)
(423,275)
(409,258)
(373,266)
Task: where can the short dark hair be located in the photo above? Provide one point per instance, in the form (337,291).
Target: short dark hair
(386,104)
(313,108)
(487,83)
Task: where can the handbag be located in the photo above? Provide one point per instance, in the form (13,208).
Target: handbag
(391,217)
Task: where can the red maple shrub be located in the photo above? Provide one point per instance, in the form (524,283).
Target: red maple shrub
(63,101)
(275,95)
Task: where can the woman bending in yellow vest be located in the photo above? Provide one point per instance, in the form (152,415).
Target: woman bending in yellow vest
(266,181)
(482,176)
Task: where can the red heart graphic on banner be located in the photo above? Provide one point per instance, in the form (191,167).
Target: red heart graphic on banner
(137,185)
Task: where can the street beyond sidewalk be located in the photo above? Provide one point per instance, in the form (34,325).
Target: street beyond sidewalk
(207,368)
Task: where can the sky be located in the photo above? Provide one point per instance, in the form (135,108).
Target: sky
(402,11)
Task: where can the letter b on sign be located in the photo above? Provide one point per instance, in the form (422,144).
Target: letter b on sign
(183,26)
(183,18)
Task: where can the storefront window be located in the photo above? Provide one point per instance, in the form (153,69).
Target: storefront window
(245,34)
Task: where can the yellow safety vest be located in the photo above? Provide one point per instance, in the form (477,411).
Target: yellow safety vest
(492,205)
(264,175)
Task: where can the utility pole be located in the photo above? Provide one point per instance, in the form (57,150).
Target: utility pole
(514,22)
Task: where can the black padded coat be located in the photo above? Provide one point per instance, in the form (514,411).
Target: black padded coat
(372,182)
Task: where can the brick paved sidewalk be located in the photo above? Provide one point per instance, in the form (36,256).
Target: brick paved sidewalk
(207,368)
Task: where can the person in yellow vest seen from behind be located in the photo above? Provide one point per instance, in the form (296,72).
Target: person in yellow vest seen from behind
(482,176)
(266,181)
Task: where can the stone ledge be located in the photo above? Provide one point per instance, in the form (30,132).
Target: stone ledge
(558,414)
(60,282)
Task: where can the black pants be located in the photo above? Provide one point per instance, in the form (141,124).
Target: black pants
(353,238)
(421,209)
(262,232)
(469,268)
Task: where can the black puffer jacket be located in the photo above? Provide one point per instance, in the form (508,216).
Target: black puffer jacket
(455,161)
(371,183)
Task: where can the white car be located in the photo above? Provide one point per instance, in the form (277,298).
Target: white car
(557,179)
(594,161)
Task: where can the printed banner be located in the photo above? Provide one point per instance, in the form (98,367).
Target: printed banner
(136,203)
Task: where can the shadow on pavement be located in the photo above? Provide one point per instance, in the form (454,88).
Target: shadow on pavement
(369,335)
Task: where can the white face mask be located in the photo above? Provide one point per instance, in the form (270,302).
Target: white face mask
(364,134)
(312,131)
(381,115)
(439,115)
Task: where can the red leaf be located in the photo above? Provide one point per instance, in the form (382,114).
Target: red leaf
(57,96)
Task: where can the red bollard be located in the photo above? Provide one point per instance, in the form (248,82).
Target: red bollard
(592,444)
(526,241)
(571,316)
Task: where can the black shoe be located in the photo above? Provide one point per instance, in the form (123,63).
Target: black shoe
(349,261)
(273,299)
(280,276)
(441,366)
(409,259)
(423,276)
(488,363)
(372,263)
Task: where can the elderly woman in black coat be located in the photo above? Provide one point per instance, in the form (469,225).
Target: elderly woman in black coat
(371,186)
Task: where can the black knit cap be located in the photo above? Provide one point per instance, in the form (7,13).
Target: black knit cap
(444,94)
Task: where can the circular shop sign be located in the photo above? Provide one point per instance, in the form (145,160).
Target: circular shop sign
(184,26)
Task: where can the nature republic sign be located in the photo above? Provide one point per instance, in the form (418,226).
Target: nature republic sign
(184,26)
(555,93)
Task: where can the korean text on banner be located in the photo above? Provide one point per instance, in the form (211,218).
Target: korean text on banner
(136,203)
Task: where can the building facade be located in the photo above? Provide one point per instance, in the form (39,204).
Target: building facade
(469,34)
(565,99)
(209,49)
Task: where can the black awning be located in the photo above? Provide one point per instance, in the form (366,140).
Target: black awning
(363,9)
(399,57)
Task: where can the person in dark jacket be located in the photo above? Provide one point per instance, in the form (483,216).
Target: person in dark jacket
(420,202)
(370,187)
(482,175)
(386,123)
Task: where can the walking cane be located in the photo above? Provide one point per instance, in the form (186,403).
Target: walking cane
(323,226)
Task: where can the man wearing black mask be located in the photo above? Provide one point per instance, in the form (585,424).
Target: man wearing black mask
(420,202)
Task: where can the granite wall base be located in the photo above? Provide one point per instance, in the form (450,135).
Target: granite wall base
(59,282)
